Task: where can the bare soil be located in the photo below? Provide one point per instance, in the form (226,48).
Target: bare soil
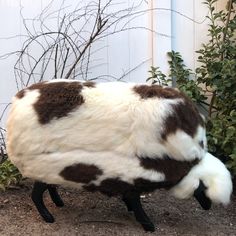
(87,213)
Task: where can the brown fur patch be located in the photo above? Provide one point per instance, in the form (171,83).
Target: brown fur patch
(150,91)
(111,187)
(20,94)
(57,99)
(81,173)
(89,84)
(115,186)
(185,117)
(173,170)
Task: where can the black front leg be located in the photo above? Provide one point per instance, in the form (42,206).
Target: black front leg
(37,197)
(133,203)
(54,195)
(201,197)
(127,203)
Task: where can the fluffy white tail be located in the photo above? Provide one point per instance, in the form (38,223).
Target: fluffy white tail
(215,177)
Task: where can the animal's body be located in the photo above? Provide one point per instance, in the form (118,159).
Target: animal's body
(118,138)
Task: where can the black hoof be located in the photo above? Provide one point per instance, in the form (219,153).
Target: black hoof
(48,218)
(59,203)
(205,203)
(133,203)
(149,227)
(55,196)
(37,197)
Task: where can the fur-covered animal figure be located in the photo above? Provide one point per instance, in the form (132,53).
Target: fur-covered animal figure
(117,138)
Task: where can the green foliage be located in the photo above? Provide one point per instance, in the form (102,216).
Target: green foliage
(218,69)
(222,136)
(217,73)
(9,174)
(157,77)
(181,74)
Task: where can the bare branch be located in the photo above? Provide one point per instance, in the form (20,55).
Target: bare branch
(64,62)
(62,50)
(55,62)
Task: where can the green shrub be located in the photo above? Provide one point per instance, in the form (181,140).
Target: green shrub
(218,71)
(181,75)
(217,77)
(157,77)
(9,174)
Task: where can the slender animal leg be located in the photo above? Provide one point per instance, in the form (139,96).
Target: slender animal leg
(201,197)
(37,197)
(135,204)
(127,203)
(55,196)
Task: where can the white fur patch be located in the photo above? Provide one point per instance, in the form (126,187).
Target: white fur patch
(46,167)
(110,129)
(215,177)
(187,148)
(113,118)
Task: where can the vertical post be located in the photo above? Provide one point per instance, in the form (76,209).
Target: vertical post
(162,34)
(151,35)
(172,6)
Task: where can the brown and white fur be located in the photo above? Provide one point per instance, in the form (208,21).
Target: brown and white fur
(117,138)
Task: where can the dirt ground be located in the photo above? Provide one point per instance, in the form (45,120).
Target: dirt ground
(95,214)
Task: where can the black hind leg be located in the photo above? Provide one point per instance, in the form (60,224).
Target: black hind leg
(55,196)
(127,203)
(37,197)
(133,203)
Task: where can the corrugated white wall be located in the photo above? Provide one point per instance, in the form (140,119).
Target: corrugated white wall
(178,25)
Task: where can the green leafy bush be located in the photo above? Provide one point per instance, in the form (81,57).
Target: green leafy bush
(218,72)
(181,75)
(9,174)
(157,77)
(216,76)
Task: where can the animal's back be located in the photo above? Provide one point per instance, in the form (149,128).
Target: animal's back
(125,119)
(61,116)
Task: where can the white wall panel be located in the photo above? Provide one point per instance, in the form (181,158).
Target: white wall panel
(163,35)
(183,30)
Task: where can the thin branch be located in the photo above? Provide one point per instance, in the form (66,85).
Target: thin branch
(55,62)
(64,62)
(133,69)
(85,48)
(70,46)
(4,110)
